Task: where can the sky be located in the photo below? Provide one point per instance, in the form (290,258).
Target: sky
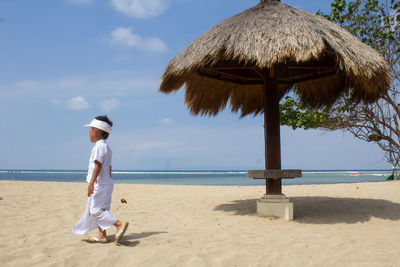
(62,62)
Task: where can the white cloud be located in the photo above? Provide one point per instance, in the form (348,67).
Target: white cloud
(154,44)
(126,37)
(166,121)
(108,105)
(77,103)
(141,8)
(80,1)
(120,83)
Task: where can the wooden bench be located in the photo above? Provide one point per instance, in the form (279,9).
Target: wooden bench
(274,174)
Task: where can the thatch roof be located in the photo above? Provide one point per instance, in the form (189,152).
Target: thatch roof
(223,65)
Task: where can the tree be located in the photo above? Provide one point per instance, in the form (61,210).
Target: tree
(376,23)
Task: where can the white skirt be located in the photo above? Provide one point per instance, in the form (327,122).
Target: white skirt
(97,213)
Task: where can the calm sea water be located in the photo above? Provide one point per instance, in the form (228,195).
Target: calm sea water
(221,178)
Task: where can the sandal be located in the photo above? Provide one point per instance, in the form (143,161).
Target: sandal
(95,239)
(121,233)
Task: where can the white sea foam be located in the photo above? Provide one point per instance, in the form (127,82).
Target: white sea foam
(346,172)
(227,177)
(178,172)
(375,173)
(342,173)
(45,172)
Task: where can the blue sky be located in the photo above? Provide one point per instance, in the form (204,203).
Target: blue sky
(62,62)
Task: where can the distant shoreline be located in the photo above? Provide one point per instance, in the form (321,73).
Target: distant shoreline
(188,170)
(197,177)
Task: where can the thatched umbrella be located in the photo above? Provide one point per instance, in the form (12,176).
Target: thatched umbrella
(253,59)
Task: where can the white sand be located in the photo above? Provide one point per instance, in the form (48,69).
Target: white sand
(335,225)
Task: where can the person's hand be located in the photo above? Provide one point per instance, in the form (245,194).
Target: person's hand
(90,189)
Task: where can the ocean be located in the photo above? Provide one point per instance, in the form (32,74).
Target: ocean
(211,178)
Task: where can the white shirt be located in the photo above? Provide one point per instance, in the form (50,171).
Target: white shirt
(102,153)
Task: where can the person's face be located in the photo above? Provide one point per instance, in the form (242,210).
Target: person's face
(93,134)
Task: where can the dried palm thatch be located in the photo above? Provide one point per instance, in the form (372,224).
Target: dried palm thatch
(226,64)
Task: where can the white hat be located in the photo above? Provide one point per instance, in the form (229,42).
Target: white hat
(102,125)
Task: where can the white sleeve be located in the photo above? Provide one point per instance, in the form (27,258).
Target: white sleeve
(99,154)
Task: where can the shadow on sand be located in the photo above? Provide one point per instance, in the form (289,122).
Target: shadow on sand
(126,239)
(325,210)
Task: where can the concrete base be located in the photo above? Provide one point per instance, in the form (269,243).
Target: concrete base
(275,205)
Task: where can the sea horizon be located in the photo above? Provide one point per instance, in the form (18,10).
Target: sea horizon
(188,170)
(197,177)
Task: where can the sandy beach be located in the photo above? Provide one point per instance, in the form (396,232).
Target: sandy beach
(335,225)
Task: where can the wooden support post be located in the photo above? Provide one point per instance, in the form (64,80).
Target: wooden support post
(272,130)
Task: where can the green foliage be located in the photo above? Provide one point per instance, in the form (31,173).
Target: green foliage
(376,23)
(293,114)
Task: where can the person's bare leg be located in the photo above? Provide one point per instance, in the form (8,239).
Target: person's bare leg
(102,235)
(120,225)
